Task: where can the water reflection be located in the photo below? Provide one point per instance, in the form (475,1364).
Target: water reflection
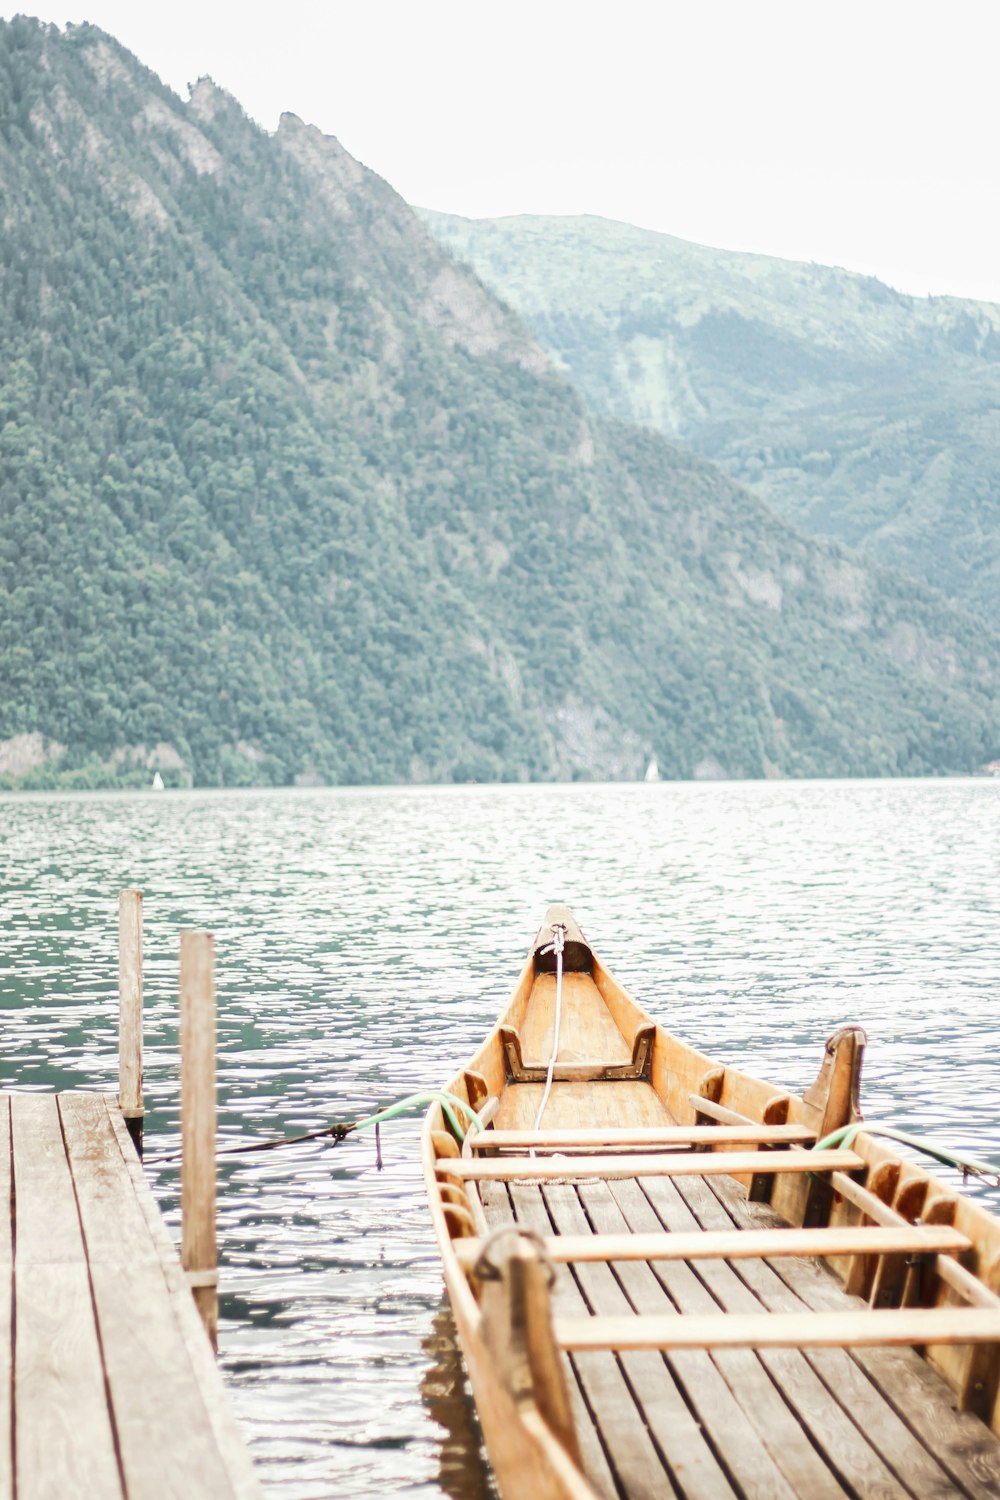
(366,941)
(464,1471)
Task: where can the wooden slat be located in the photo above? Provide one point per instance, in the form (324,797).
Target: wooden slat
(48,1226)
(879,1384)
(738,1244)
(664,1135)
(594,1375)
(114,1225)
(780,1407)
(720,1112)
(837,1330)
(734,1163)
(6,1303)
(727,1427)
(954,1275)
(228,1440)
(846,1451)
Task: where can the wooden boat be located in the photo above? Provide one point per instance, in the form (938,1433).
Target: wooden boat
(662,1285)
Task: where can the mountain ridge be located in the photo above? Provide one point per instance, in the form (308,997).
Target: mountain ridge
(857,411)
(287,496)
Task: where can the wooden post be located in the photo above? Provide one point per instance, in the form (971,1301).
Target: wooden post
(130,1013)
(198,1247)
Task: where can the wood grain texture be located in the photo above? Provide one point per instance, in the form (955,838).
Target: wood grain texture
(727,1428)
(130,1001)
(198,1237)
(64,1437)
(736,1244)
(586,1028)
(555,1169)
(839,1330)
(666,1135)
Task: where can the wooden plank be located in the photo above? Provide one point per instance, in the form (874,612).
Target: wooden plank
(846,1416)
(839,1330)
(48,1225)
(780,1393)
(650,1135)
(733,1163)
(727,1425)
(167,1445)
(739,1244)
(581,1105)
(498,1210)
(904,1383)
(638,1462)
(64,1438)
(226,1433)
(114,1226)
(6,1303)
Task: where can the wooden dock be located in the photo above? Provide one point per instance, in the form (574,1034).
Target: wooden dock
(114,1391)
(108,1383)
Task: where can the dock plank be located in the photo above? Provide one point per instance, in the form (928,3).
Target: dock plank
(64,1438)
(116,1395)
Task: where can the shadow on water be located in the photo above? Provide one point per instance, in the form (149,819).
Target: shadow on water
(464,1472)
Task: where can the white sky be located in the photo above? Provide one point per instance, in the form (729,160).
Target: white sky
(861,133)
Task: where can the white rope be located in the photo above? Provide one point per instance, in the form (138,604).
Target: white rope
(556,946)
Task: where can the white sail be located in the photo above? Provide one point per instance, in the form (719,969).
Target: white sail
(652,770)
(158,782)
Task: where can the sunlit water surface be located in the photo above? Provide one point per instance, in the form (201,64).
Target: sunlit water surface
(366,940)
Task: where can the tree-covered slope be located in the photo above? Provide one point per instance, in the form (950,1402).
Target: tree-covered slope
(286,494)
(859,413)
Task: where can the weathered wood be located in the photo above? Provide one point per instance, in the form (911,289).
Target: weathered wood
(198,1241)
(748,1244)
(847,1454)
(517,1329)
(903,1382)
(624,1432)
(6,1305)
(840,1330)
(130,1012)
(736,1429)
(499,1210)
(551,1169)
(977,1391)
(650,1135)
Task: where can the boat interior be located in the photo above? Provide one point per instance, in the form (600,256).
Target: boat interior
(671,1281)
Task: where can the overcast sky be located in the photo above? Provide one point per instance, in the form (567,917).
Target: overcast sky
(861,133)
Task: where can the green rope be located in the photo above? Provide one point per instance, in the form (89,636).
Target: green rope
(846,1136)
(451,1107)
(448,1103)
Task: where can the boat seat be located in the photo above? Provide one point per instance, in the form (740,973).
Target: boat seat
(798,1330)
(594,1070)
(667,1164)
(613,1137)
(740,1244)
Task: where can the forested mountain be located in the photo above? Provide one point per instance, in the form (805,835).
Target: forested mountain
(858,412)
(285,494)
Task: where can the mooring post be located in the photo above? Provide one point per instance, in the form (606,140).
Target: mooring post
(198,1246)
(130,1013)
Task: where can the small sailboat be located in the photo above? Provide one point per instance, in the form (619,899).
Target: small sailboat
(652,770)
(157,782)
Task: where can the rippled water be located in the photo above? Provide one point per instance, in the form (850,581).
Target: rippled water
(366,941)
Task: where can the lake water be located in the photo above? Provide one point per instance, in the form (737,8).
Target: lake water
(366,940)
